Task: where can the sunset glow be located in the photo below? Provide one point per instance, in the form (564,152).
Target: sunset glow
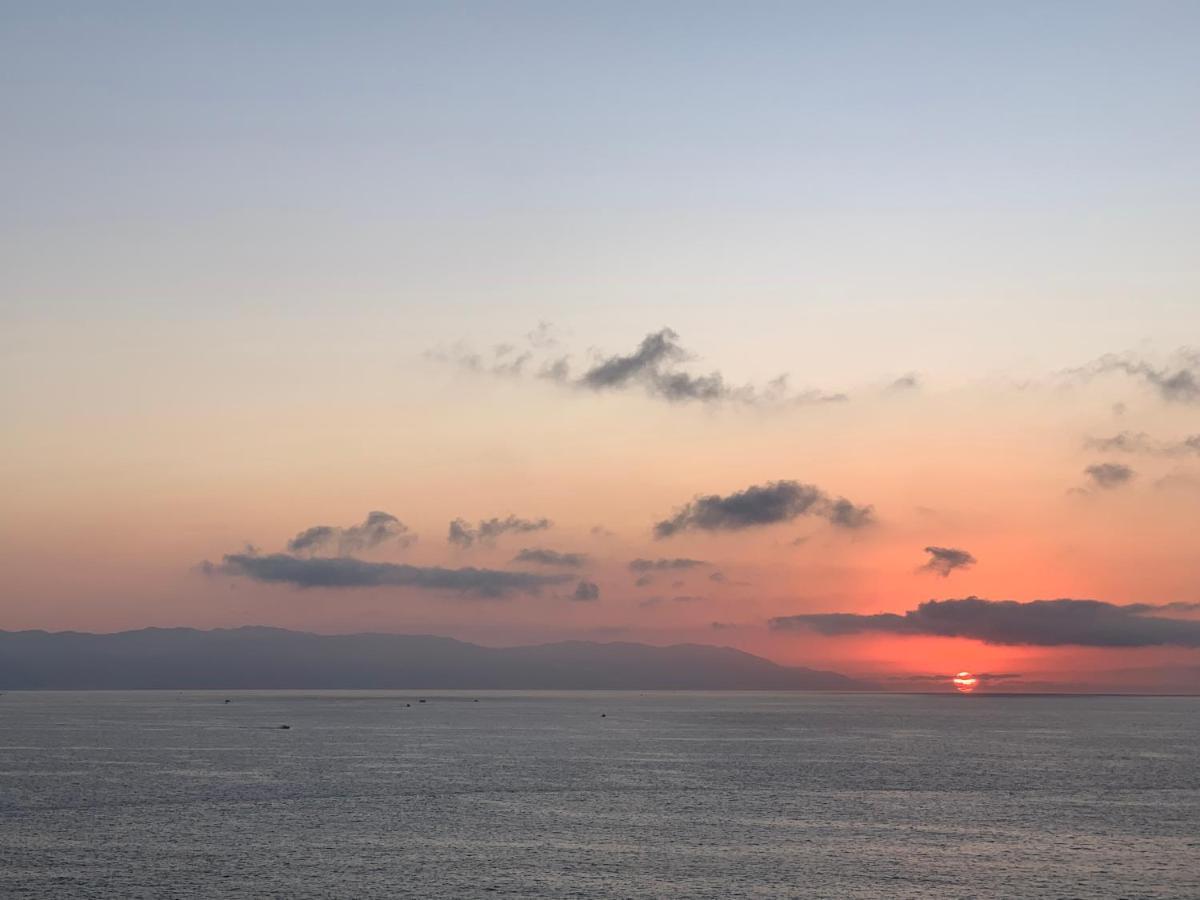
(726,344)
(965,682)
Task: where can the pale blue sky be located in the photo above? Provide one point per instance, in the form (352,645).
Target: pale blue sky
(863,188)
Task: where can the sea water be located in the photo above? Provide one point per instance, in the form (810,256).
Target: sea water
(376,794)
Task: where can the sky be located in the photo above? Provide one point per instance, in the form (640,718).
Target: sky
(498,297)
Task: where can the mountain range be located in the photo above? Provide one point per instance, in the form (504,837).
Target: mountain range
(262,657)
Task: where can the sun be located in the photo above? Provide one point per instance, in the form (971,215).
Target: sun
(965,682)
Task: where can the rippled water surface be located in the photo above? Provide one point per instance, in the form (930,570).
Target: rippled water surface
(375,794)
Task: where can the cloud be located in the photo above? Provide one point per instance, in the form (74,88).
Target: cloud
(1044,623)
(652,366)
(723,626)
(378,527)
(644,580)
(348,572)
(586,591)
(551,558)
(759,505)
(618,371)
(718,577)
(943,678)
(1140,442)
(1109,475)
(662,565)
(909,382)
(1178,382)
(462,534)
(944,560)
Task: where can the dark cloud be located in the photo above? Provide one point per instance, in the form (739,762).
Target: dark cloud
(378,527)
(551,558)
(1109,475)
(983,678)
(645,362)
(1140,442)
(944,560)
(662,565)
(653,366)
(586,590)
(1045,623)
(758,505)
(462,534)
(644,580)
(1175,383)
(348,572)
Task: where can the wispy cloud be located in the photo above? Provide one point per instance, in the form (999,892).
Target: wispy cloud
(1175,382)
(654,366)
(462,534)
(1142,443)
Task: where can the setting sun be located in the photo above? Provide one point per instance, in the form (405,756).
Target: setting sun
(965,682)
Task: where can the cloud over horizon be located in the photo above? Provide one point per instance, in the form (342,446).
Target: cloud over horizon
(761,505)
(348,572)
(1043,623)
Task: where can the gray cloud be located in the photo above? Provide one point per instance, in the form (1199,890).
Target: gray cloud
(619,371)
(984,678)
(544,557)
(585,591)
(1140,442)
(348,572)
(909,382)
(718,577)
(652,367)
(944,560)
(378,527)
(759,505)
(1109,475)
(1045,623)
(462,534)
(662,565)
(644,580)
(1175,383)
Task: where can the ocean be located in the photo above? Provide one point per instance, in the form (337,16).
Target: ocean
(597,795)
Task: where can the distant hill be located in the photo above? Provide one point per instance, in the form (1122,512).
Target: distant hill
(258,657)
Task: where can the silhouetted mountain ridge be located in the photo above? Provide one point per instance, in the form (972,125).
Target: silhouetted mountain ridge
(267,657)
